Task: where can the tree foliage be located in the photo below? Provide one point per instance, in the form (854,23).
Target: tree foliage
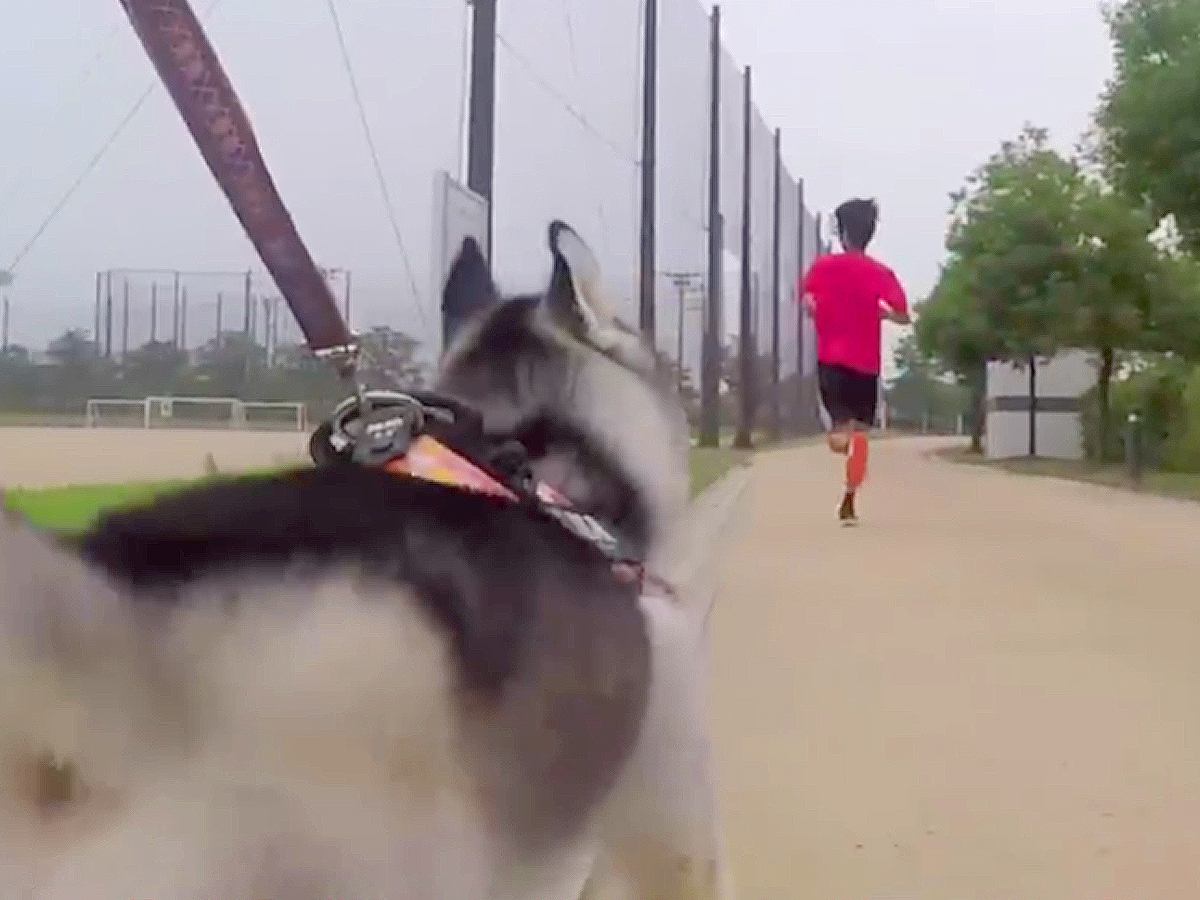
(230,365)
(920,395)
(1043,255)
(1149,116)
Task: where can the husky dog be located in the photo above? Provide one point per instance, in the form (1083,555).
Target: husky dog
(344,683)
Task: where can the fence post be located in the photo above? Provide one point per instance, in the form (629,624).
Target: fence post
(710,366)
(747,354)
(776,414)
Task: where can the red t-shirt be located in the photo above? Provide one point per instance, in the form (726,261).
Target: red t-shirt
(847,289)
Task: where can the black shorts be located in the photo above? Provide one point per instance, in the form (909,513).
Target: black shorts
(848,396)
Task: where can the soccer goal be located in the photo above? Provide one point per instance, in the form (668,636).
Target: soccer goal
(197,412)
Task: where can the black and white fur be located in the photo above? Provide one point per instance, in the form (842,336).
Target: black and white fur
(342,683)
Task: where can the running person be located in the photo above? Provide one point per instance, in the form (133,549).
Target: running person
(848,295)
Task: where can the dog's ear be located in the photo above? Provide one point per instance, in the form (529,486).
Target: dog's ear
(469,288)
(575,297)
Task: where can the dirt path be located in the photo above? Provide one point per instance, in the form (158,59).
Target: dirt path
(991,689)
(42,457)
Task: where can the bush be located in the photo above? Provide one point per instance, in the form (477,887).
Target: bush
(1156,394)
(1183,447)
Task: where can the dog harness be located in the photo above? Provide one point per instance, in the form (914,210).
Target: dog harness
(396,435)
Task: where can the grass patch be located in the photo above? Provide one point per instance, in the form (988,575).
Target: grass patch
(75,508)
(707,465)
(1180,485)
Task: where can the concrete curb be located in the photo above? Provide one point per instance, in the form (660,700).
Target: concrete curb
(693,562)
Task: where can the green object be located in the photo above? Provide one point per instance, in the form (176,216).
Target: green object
(75,508)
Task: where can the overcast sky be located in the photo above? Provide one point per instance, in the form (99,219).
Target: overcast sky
(896,99)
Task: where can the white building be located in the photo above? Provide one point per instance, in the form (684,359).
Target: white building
(1058,385)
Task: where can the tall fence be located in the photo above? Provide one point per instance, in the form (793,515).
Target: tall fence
(567,145)
(196,311)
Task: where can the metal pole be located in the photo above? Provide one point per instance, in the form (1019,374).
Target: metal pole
(4,327)
(154,312)
(481,142)
(776,235)
(710,366)
(1033,405)
(246,307)
(679,335)
(125,319)
(743,439)
(266,311)
(183,317)
(176,303)
(99,313)
(347,301)
(220,316)
(108,315)
(802,421)
(646,299)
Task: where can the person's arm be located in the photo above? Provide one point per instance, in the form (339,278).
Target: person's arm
(810,288)
(893,302)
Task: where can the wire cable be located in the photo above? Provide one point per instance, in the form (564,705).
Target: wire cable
(66,101)
(92,164)
(385,194)
(564,101)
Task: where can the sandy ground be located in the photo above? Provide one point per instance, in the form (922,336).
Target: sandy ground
(39,457)
(990,689)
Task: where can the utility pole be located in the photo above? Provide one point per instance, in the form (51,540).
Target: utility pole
(176,285)
(743,439)
(175,310)
(646,298)
(775,416)
(4,327)
(125,319)
(154,312)
(99,313)
(183,303)
(247,301)
(108,315)
(710,365)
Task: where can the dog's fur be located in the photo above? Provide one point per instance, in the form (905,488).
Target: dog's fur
(343,683)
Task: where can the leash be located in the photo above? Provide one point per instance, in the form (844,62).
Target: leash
(192,73)
(433,438)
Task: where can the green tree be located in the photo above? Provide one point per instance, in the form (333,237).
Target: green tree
(1040,256)
(919,394)
(1124,294)
(154,367)
(1010,241)
(389,359)
(72,349)
(1149,116)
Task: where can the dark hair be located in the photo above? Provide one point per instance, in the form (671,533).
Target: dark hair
(856,220)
